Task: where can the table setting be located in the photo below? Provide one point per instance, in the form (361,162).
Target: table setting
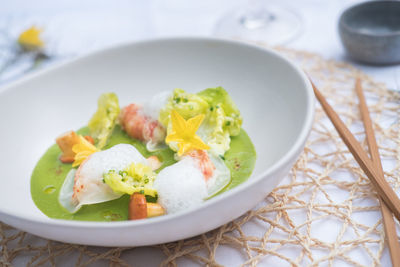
(317,84)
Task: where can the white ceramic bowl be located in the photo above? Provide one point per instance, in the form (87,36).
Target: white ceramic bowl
(274,96)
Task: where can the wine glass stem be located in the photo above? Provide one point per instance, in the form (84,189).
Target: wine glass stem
(255,18)
(256,15)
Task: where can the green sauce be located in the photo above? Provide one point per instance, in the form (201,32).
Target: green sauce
(49,174)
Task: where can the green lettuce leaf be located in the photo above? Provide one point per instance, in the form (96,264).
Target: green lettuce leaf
(212,131)
(102,124)
(218,98)
(222,117)
(137,178)
(186,104)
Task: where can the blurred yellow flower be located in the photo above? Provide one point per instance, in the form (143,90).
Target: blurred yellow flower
(83,150)
(184,133)
(30,39)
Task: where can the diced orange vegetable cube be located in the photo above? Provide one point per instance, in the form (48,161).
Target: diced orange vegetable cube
(137,207)
(65,142)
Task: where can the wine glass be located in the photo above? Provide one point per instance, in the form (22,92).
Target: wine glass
(261,22)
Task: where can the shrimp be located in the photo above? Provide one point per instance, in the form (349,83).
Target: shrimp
(78,187)
(140,126)
(204,163)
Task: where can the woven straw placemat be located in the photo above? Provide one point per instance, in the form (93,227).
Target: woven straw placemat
(325,212)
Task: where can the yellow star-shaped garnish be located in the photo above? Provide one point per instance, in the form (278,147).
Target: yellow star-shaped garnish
(184,133)
(83,150)
(30,39)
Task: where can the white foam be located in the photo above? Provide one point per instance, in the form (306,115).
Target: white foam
(181,186)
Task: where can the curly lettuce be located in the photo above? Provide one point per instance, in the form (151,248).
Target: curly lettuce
(137,178)
(219,99)
(222,117)
(102,124)
(186,104)
(213,133)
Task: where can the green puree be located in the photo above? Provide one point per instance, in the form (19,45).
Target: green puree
(49,174)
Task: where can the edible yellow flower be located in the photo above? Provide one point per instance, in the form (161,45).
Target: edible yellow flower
(83,150)
(30,39)
(184,133)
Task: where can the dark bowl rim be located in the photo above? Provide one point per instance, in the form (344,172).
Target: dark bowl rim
(357,31)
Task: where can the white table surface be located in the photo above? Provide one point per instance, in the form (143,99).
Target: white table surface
(100,24)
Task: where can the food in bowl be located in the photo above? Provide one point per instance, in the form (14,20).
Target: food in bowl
(165,156)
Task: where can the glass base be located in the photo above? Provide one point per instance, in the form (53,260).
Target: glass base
(272,25)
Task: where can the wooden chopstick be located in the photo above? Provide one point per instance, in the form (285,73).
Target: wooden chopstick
(381,186)
(388,221)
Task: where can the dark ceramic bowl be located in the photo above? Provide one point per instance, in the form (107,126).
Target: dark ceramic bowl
(370,32)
